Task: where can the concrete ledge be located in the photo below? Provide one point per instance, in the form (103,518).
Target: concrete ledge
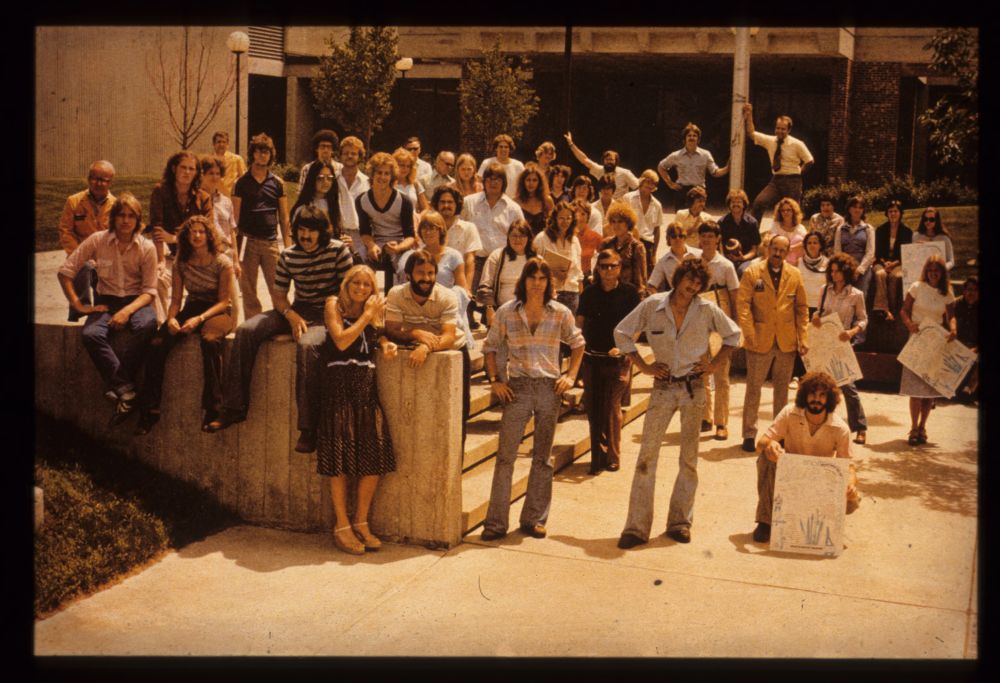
(252,467)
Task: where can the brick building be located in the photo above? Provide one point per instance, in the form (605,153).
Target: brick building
(854,93)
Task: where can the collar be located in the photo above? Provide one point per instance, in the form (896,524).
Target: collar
(518,304)
(113,236)
(94,199)
(696,152)
(697,301)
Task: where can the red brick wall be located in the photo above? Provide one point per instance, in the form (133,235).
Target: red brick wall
(874,120)
(840,112)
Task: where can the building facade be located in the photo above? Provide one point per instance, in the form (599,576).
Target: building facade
(854,93)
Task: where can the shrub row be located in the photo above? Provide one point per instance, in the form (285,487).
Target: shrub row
(940,192)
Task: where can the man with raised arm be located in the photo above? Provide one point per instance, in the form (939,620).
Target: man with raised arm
(790,158)
(625,180)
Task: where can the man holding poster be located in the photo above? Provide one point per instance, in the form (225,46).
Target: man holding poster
(808,427)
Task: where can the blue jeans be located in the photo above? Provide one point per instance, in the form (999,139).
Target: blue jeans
(665,400)
(533,396)
(308,368)
(84,284)
(117,372)
(856,419)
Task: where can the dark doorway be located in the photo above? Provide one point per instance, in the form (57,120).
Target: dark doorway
(425,107)
(266,112)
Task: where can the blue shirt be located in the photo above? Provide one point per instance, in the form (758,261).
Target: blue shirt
(678,350)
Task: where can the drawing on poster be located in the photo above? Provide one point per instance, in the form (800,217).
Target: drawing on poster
(914,256)
(809,504)
(939,362)
(829,354)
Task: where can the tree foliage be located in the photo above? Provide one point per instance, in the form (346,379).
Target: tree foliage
(495,97)
(954,119)
(356,79)
(185,89)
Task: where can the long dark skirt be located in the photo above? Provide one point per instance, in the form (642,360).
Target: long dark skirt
(353,436)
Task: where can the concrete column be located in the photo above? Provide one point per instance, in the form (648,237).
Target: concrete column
(252,467)
(741,95)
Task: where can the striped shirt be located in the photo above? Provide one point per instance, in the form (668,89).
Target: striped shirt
(317,275)
(440,308)
(390,223)
(202,282)
(533,354)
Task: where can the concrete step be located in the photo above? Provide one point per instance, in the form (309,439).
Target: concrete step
(572,440)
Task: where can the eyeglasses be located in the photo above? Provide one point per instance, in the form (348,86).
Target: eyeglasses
(103,181)
(609,266)
(325,178)
(678,236)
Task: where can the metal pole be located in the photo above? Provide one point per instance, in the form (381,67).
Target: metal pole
(741,94)
(237,103)
(568,76)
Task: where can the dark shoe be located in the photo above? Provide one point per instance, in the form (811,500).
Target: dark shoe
(210,416)
(721,433)
(629,541)
(861,438)
(306,442)
(613,465)
(595,468)
(147,420)
(534,530)
(922,436)
(682,535)
(226,419)
(762,534)
(123,408)
(706,426)
(914,438)
(490,535)
(748,445)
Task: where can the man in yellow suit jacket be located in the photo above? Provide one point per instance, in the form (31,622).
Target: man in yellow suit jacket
(772,313)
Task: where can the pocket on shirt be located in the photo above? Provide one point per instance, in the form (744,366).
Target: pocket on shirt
(104,267)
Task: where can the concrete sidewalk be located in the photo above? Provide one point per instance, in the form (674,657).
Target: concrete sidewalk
(905,587)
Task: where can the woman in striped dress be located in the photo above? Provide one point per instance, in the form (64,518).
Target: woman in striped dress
(353,437)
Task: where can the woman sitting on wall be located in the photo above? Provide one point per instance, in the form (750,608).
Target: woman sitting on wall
(788,223)
(931,229)
(353,436)
(207,276)
(889,237)
(857,238)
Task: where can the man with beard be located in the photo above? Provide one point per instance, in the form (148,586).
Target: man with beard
(316,264)
(625,180)
(809,427)
(772,311)
(424,315)
(463,236)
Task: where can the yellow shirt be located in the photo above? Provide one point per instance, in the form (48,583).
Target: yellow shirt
(235,167)
(81,218)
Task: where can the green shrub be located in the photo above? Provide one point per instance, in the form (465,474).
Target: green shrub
(287,171)
(940,192)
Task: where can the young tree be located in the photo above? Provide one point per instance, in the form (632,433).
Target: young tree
(185,88)
(954,118)
(495,97)
(356,79)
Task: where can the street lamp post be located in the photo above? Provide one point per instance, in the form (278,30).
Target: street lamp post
(238,43)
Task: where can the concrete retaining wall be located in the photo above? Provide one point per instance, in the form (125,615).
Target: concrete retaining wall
(252,467)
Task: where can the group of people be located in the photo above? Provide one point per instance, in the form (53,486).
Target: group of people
(554,267)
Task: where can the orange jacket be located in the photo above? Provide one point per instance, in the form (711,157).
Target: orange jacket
(765,315)
(81,218)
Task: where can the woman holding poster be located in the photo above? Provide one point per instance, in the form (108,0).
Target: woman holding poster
(929,301)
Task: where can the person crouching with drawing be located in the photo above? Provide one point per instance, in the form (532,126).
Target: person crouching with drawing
(808,427)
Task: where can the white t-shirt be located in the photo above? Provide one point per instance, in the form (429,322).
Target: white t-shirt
(625,180)
(928,304)
(648,221)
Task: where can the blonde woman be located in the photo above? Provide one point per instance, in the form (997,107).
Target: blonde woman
(466,180)
(406,179)
(788,223)
(353,437)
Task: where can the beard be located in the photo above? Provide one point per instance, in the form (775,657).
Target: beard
(816,408)
(422,288)
(610,168)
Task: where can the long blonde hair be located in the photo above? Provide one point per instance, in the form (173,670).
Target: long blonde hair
(353,273)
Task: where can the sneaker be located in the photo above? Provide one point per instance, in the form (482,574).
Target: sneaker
(762,534)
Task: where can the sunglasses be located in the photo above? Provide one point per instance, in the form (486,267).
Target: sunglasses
(609,266)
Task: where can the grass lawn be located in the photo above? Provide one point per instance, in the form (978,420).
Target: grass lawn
(50,197)
(106,515)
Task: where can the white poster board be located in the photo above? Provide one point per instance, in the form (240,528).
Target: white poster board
(828,353)
(914,256)
(941,363)
(810,501)
(719,298)
(813,283)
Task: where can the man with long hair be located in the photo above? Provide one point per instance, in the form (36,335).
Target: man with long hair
(809,427)
(531,326)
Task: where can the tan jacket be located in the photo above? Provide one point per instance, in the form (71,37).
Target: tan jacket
(80,219)
(765,315)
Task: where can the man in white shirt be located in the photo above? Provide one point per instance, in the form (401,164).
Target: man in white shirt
(663,272)
(790,158)
(650,215)
(625,180)
(424,170)
(503,145)
(462,236)
(492,212)
(692,163)
(352,183)
(323,142)
(444,164)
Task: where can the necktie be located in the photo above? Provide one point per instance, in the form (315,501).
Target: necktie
(776,163)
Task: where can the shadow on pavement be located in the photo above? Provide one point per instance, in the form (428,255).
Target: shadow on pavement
(931,477)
